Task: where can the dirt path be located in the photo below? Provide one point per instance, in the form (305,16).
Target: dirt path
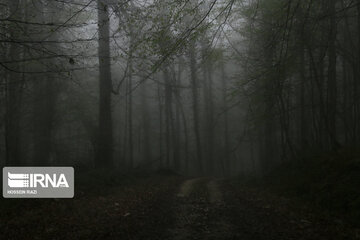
(165,208)
(196,212)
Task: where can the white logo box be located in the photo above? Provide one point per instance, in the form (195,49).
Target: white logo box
(38,182)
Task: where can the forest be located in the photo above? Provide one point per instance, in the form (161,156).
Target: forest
(184,119)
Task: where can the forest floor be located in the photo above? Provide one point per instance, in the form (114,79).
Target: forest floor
(166,207)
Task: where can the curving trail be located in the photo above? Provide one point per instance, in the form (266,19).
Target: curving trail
(168,208)
(196,212)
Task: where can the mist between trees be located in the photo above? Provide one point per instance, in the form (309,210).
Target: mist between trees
(212,87)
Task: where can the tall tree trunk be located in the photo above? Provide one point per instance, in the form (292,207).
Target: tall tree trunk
(130,121)
(146,123)
(303,124)
(176,123)
(270,95)
(45,95)
(186,137)
(168,117)
(161,158)
(104,156)
(180,115)
(209,110)
(195,101)
(226,120)
(13,97)
(356,108)
(332,85)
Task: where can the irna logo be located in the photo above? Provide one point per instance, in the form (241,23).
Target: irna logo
(38,182)
(16,180)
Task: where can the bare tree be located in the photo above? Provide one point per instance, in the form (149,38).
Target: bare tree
(104,157)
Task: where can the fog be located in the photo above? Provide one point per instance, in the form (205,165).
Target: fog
(187,93)
(166,98)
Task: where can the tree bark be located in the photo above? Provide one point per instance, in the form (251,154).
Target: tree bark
(195,109)
(226,121)
(13,98)
(332,85)
(104,156)
(209,111)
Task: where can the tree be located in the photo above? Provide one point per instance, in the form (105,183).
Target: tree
(104,157)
